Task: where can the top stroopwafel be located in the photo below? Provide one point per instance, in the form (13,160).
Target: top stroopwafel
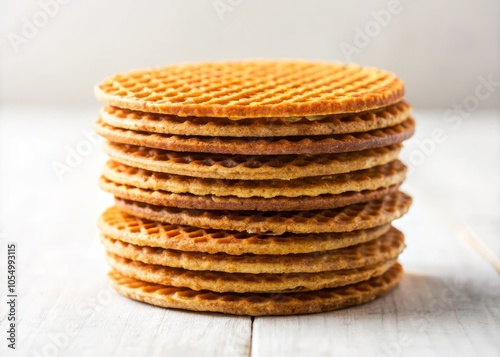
(253,89)
(257,127)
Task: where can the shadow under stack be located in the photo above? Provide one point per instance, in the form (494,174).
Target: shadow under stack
(254,188)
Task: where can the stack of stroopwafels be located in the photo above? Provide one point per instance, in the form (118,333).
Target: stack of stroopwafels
(255,188)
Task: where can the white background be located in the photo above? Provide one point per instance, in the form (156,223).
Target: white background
(439,48)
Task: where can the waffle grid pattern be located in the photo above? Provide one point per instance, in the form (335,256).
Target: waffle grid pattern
(252,89)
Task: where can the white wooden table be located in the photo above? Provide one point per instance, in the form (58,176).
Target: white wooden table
(448,303)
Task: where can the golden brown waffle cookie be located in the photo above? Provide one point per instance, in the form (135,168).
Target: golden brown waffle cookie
(344,219)
(257,304)
(119,225)
(283,167)
(187,200)
(389,174)
(244,283)
(261,146)
(253,89)
(259,127)
(388,246)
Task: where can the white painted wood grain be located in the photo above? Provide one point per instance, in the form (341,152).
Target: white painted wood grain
(462,174)
(447,304)
(77,312)
(449,300)
(66,307)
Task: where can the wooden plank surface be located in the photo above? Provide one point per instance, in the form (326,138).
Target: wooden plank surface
(449,301)
(65,306)
(447,304)
(461,176)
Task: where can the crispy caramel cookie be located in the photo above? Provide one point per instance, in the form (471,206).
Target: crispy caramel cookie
(243,167)
(254,304)
(392,173)
(343,219)
(257,127)
(261,146)
(387,247)
(119,225)
(241,282)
